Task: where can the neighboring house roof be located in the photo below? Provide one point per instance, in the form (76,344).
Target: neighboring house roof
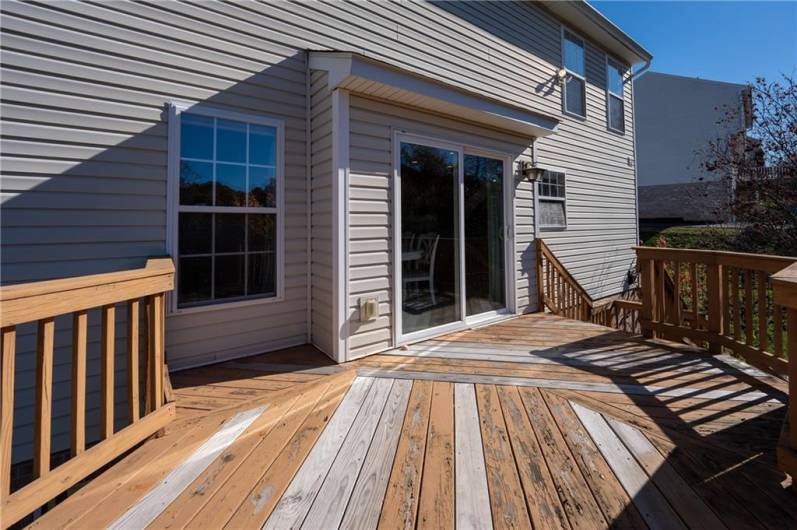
(702,202)
(594,25)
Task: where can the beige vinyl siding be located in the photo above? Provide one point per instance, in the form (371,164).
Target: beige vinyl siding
(321,210)
(84,173)
(84,147)
(373,124)
(601,188)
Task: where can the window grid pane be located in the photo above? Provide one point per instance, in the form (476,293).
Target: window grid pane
(232,165)
(575,97)
(616,113)
(574,54)
(614,79)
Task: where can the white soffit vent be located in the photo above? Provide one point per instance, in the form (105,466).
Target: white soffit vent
(362,75)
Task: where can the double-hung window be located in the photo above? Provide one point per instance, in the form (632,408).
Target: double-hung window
(226,196)
(574,93)
(551,200)
(615,103)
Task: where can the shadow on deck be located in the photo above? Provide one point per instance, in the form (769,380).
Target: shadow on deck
(536,421)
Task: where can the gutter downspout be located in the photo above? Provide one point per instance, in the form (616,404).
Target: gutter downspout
(635,75)
(308,196)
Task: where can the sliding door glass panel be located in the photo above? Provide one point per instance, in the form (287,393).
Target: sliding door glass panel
(430,291)
(485,287)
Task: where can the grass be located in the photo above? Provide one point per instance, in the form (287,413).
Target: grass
(700,237)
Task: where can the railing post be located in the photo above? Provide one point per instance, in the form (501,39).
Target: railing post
(784,293)
(791,327)
(715,306)
(7,371)
(648,285)
(540,273)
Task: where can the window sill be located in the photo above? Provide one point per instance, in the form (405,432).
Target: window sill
(574,115)
(226,305)
(553,228)
(615,131)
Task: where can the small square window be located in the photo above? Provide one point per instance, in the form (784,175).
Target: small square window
(552,199)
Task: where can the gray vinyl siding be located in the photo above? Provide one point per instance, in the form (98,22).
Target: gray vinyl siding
(372,127)
(84,147)
(600,187)
(321,210)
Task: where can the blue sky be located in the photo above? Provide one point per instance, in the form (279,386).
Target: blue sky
(725,41)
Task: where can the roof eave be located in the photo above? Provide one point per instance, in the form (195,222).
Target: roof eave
(602,31)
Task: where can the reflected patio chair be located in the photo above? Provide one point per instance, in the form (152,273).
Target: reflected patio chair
(422,269)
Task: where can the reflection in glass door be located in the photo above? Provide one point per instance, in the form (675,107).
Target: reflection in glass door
(485,287)
(430,265)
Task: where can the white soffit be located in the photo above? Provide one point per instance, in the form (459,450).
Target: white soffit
(363,75)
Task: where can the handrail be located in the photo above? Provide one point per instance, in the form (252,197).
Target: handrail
(563,295)
(40,303)
(722,300)
(557,289)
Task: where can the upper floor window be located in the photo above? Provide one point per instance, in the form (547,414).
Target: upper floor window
(615,102)
(228,213)
(551,201)
(575,86)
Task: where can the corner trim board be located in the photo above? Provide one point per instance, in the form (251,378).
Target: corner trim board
(340,223)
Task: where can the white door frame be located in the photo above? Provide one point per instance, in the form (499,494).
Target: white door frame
(464,322)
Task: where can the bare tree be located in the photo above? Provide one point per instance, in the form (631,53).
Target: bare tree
(759,168)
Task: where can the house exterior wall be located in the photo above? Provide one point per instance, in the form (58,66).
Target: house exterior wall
(85,148)
(676,119)
(373,126)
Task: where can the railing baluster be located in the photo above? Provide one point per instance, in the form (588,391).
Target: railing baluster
(677,304)
(777,314)
(133,397)
(79,338)
(694,286)
(726,295)
(748,308)
(763,312)
(44,394)
(157,354)
(9,340)
(108,353)
(737,310)
(715,302)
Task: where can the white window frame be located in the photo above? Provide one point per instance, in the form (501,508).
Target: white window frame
(538,198)
(583,78)
(609,94)
(446,142)
(173,207)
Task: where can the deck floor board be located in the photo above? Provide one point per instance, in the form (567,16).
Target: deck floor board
(535,422)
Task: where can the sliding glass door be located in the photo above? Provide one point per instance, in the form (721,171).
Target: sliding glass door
(485,283)
(451,229)
(431,294)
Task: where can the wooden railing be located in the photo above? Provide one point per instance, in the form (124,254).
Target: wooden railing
(784,286)
(558,290)
(563,295)
(722,300)
(40,303)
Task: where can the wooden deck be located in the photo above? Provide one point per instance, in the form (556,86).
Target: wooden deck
(534,422)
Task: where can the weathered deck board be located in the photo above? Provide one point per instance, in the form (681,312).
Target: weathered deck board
(536,421)
(472,496)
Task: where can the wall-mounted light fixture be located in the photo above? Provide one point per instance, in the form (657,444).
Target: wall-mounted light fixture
(531,171)
(561,75)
